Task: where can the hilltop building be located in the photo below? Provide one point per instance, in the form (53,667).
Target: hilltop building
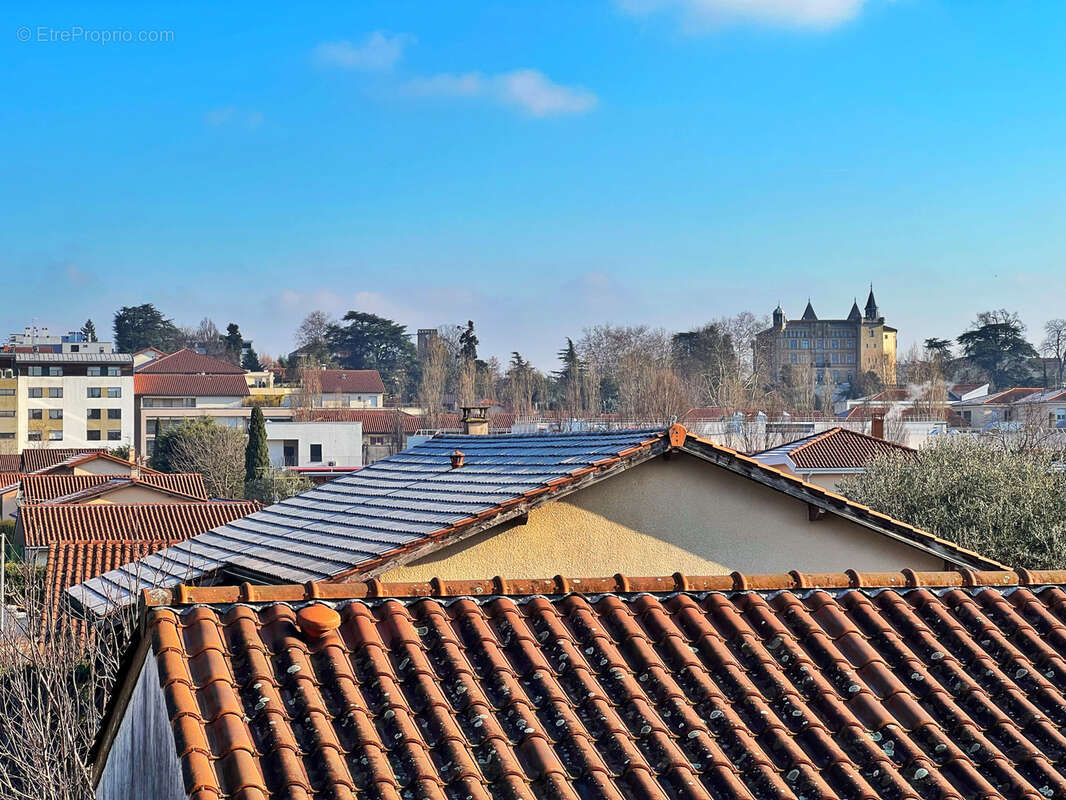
(839,349)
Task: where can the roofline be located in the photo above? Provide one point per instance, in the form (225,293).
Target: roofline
(112,485)
(674,439)
(187,596)
(75,461)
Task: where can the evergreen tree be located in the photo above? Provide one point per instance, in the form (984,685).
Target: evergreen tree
(233,342)
(996,343)
(88,330)
(468,343)
(256,455)
(251,361)
(137,327)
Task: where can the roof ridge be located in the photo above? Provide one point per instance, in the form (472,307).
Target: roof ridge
(184,595)
(815,438)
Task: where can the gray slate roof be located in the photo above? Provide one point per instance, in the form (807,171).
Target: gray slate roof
(73,358)
(356,518)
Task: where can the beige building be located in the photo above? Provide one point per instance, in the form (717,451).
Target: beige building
(460,507)
(833,349)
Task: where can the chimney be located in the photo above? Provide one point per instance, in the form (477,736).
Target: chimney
(476,420)
(877,426)
(317,621)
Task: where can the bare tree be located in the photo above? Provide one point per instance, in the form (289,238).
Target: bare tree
(213,450)
(434,375)
(308,396)
(1054,346)
(466,388)
(312,338)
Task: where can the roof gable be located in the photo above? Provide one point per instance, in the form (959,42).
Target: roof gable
(81,488)
(188,362)
(414,502)
(364,381)
(40,458)
(915,685)
(836,448)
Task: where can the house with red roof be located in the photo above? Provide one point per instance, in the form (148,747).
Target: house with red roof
(170,389)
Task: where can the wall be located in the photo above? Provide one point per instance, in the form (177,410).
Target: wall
(136,494)
(342,442)
(143,760)
(75,404)
(665,516)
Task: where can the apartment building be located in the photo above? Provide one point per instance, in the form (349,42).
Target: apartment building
(66,399)
(41,340)
(8,405)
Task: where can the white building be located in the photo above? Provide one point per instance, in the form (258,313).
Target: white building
(74,400)
(45,342)
(315,444)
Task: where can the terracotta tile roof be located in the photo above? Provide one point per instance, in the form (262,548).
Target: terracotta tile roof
(77,488)
(45,524)
(358,381)
(10,479)
(81,459)
(38,458)
(188,362)
(1011,395)
(937,685)
(413,503)
(836,448)
(10,462)
(375,420)
(190,385)
(891,396)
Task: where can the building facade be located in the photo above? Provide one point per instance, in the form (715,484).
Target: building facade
(834,350)
(72,400)
(41,340)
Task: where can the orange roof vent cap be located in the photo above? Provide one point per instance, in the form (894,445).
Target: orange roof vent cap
(317,620)
(457,459)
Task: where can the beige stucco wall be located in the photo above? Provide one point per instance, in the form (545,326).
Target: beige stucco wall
(136,494)
(665,516)
(101,466)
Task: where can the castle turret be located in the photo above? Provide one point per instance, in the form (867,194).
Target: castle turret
(872,312)
(855,315)
(808,312)
(779,318)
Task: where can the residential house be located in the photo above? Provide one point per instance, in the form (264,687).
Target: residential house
(58,461)
(315,443)
(992,410)
(827,458)
(350,388)
(840,685)
(186,385)
(153,487)
(468,506)
(73,400)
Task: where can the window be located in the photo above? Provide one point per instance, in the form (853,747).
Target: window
(316,452)
(836,344)
(55,413)
(55,372)
(7,392)
(33,436)
(55,436)
(36,413)
(7,412)
(168,402)
(7,436)
(805,344)
(114,391)
(114,413)
(92,413)
(93,372)
(92,391)
(795,357)
(113,372)
(74,348)
(55,391)
(793,344)
(836,358)
(92,436)
(871,331)
(114,436)
(34,372)
(36,391)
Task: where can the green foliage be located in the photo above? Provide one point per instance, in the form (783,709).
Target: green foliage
(256,454)
(233,342)
(996,343)
(7,529)
(201,445)
(275,486)
(88,330)
(1006,504)
(250,361)
(368,341)
(137,327)
(468,343)
(122,451)
(704,354)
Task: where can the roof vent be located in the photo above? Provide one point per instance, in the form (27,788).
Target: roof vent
(458,457)
(476,420)
(317,621)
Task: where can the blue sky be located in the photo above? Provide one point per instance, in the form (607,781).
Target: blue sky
(536,167)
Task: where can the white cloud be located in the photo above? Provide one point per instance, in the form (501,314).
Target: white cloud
(819,14)
(228,115)
(527,90)
(378,51)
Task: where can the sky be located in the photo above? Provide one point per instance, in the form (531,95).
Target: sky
(537,167)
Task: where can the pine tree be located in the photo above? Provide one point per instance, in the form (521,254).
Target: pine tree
(256,455)
(250,361)
(88,330)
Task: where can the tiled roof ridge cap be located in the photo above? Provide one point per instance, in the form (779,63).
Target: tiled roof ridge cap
(183,595)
